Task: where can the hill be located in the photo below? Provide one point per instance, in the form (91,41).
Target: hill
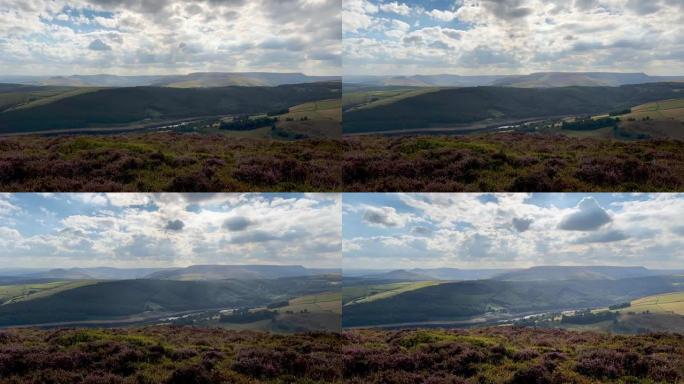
(117,106)
(551,273)
(221,272)
(469,299)
(98,273)
(458,106)
(141,299)
(198,79)
(585,79)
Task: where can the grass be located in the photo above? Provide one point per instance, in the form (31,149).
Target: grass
(667,303)
(15,293)
(322,302)
(168,162)
(375,98)
(323,119)
(366,294)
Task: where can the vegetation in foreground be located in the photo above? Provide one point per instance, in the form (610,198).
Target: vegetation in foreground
(510,355)
(511,162)
(169,355)
(167,162)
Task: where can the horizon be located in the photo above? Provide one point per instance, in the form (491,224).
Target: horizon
(129,230)
(510,74)
(506,231)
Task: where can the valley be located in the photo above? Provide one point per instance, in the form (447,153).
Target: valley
(554,297)
(298,298)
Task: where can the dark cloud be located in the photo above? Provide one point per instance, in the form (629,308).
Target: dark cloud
(588,216)
(380,217)
(237,223)
(421,231)
(678,230)
(642,7)
(410,40)
(289,44)
(603,237)
(522,224)
(99,45)
(175,225)
(507,9)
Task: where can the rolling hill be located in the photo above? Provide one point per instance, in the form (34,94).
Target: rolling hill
(551,273)
(118,299)
(197,79)
(468,299)
(117,106)
(585,79)
(241,272)
(457,106)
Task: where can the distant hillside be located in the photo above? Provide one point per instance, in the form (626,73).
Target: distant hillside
(551,273)
(469,105)
(134,104)
(198,79)
(467,299)
(443,80)
(533,80)
(98,273)
(242,272)
(424,274)
(585,79)
(105,300)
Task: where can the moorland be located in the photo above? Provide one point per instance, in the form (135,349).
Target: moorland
(196,132)
(539,132)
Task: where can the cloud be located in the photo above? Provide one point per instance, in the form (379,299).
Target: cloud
(237,223)
(175,225)
(394,7)
(522,224)
(99,45)
(384,217)
(587,217)
(603,237)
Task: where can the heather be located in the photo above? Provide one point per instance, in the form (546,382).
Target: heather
(167,162)
(518,162)
(509,355)
(168,355)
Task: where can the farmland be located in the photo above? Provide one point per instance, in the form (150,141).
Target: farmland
(368,293)
(668,303)
(168,162)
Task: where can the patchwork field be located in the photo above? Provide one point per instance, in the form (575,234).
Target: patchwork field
(668,303)
(15,293)
(368,293)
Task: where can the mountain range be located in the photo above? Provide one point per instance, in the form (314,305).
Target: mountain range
(191,80)
(532,80)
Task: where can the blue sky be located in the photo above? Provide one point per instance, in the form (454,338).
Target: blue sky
(131,37)
(469,37)
(129,229)
(512,230)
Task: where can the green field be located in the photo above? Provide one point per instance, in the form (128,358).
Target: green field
(374,98)
(16,293)
(320,302)
(369,293)
(668,303)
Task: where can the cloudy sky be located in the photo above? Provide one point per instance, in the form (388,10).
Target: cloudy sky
(389,231)
(64,37)
(156,230)
(513,36)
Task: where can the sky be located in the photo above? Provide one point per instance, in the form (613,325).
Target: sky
(472,231)
(131,37)
(476,37)
(169,230)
